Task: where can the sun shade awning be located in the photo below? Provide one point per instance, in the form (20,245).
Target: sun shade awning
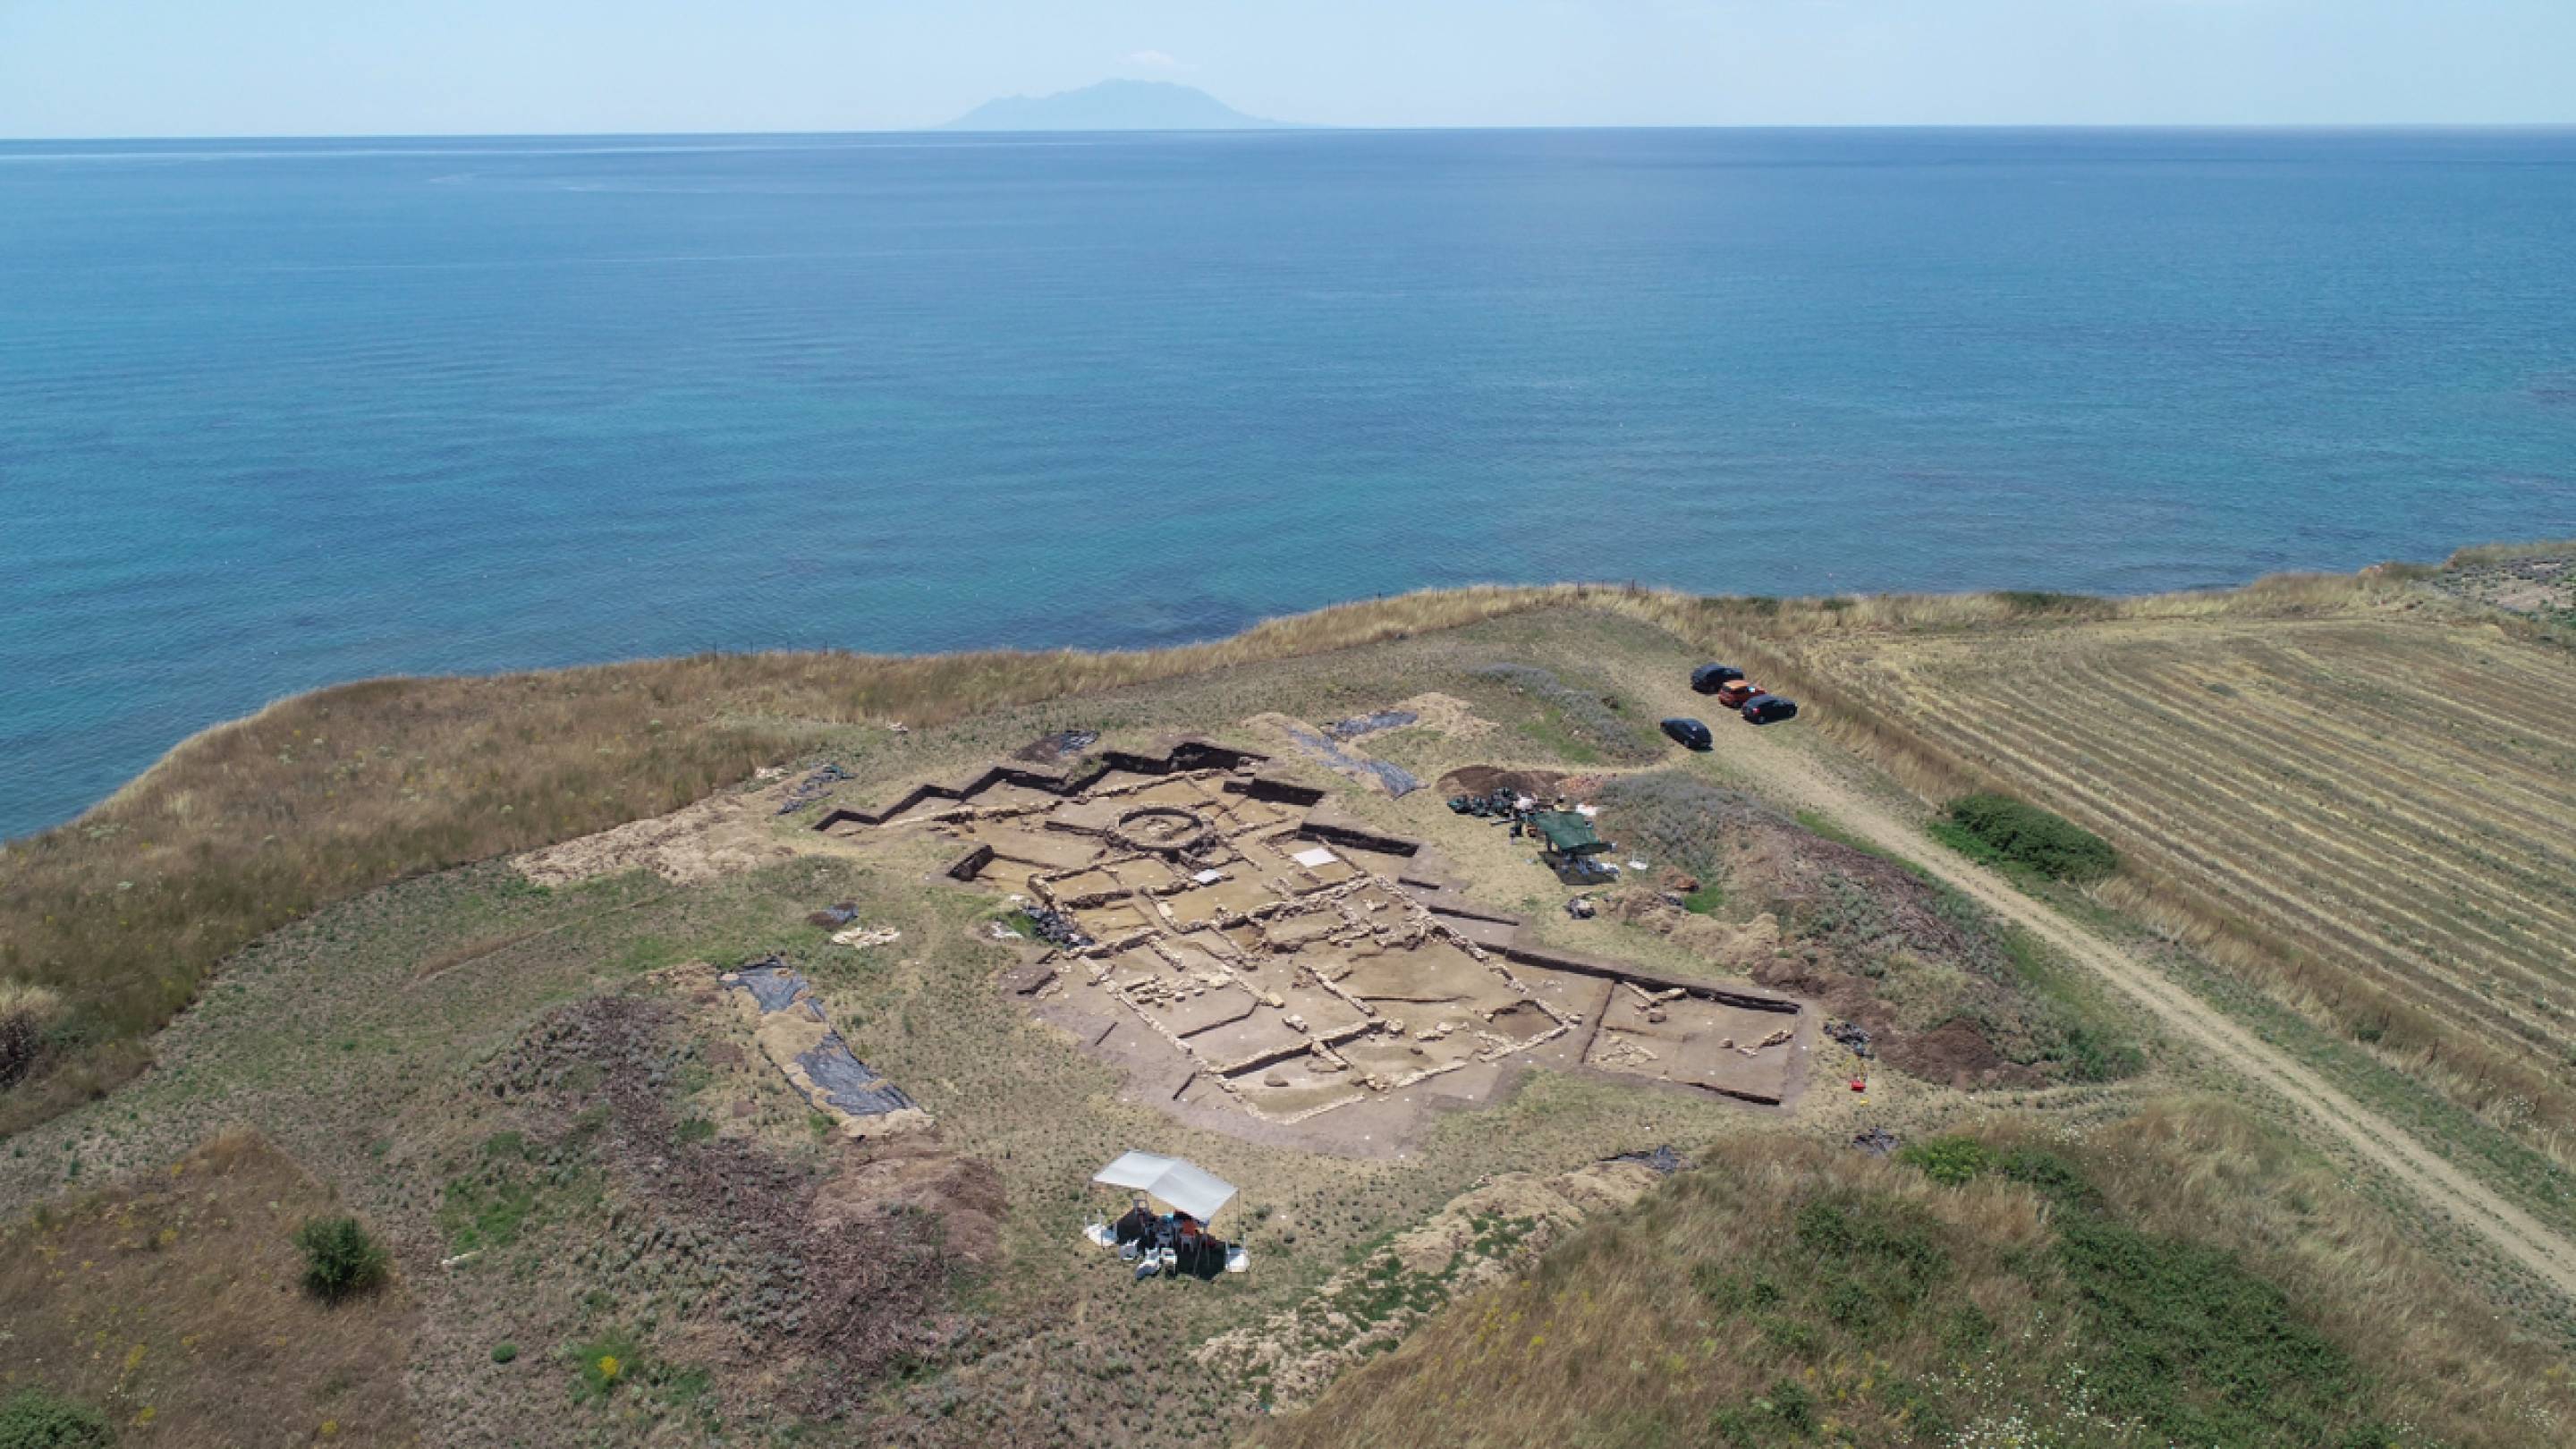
(1188,1188)
(1567,833)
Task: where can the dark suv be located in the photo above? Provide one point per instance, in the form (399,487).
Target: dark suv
(1710,678)
(1690,734)
(1765,709)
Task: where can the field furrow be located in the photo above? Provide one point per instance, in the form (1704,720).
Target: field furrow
(2531,793)
(2157,833)
(2247,822)
(2425,847)
(2421,690)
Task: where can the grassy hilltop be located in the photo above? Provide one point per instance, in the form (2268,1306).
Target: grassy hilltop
(2257,1138)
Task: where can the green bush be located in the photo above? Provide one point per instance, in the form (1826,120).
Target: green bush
(340,1260)
(1793,1405)
(33,1418)
(1952,1160)
(2003,831)
(2026,602)
(504,1352)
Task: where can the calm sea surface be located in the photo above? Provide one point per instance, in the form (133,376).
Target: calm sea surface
(278,414)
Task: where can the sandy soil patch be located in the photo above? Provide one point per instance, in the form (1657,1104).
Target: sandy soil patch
(718,836)
(1447,714)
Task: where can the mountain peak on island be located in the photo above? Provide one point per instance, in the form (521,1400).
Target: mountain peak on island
(1111,105)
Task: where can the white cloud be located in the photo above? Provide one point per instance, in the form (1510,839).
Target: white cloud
(1159,60)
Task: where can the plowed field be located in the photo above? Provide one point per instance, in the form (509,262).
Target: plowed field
(2383,809)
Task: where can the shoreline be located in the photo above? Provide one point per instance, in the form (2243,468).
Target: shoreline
(12,837)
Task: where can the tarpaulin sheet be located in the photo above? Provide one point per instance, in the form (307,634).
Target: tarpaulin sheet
(1187,1187)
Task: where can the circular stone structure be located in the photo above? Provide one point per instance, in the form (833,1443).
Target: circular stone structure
(1162,829)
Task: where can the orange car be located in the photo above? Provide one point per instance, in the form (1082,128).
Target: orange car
(1736,691)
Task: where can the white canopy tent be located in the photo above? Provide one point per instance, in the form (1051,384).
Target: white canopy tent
(1184,1186)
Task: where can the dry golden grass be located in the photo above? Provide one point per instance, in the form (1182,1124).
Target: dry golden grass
(27,999)
(1691,1319)
(171,1304)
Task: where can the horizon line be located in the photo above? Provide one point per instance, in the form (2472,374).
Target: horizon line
(1277,127)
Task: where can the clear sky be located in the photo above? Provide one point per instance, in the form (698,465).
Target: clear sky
(375,67)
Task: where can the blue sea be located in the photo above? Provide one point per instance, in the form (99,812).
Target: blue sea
(276,414)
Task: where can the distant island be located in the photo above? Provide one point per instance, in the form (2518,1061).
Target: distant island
(1112,105)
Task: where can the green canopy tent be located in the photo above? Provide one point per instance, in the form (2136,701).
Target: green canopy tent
(1567,833)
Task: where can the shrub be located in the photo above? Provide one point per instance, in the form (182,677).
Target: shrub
(2000,830)
(26,1010)
(33,1418)
(1793,1406)
(1874,1259)
(340,1260)
(1952,1160)
(2051,1176)
(1682,821)
(2023,603)
(504,1352)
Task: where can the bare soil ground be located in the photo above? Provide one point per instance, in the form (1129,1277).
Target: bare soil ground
(721,835)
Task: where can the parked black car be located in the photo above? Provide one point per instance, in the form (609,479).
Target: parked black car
(1690,734)
(1765,709)
(1710,678)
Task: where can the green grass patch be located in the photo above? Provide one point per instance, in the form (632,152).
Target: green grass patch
(36,1418)
(1580,726)
(492,1204)
(1946,1159)
(2000,831)
(2180,1337)
(606,1364)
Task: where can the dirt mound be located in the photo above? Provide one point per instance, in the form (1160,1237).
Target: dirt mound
(772,1262)
(1743,943)
(1955,1052)
(963,1195)
(1486,779)
(1447,714)
(1863,936)
(1537,784)
(176,1296)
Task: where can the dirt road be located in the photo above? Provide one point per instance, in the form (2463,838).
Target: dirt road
(1788,777)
